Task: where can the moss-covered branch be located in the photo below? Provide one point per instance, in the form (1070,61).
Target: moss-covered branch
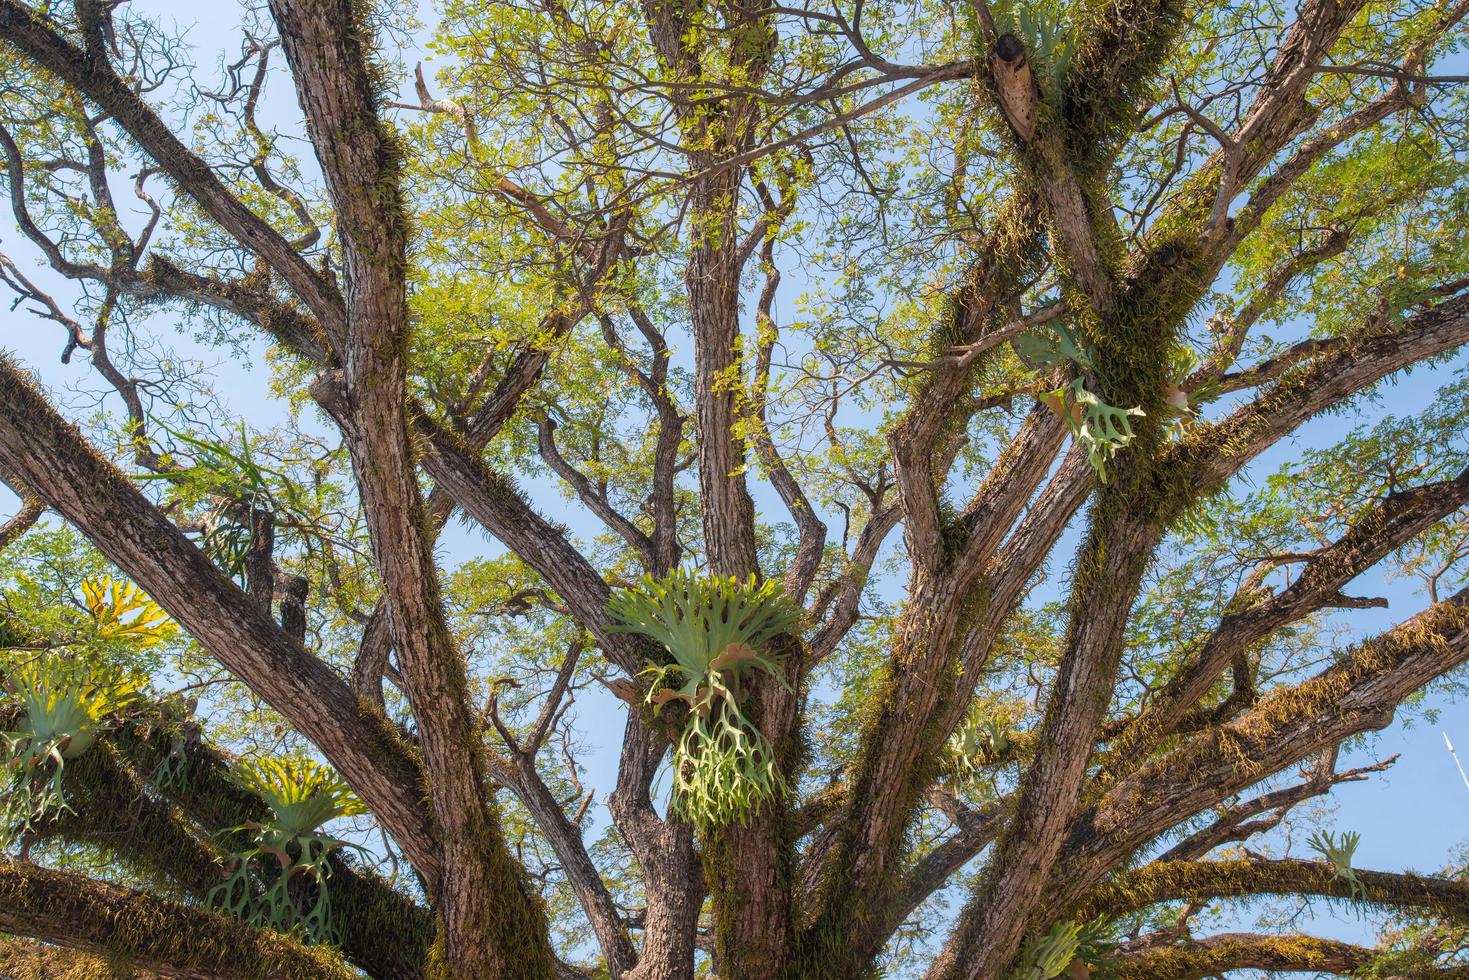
(1357,694)
(164,937)
(384,932)
(1165,881)
(1242,951)
(160,828)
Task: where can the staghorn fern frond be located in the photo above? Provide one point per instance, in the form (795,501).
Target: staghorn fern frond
(302,794)
(123,612)
(282,882)
(1049,350)
(1048,956)
(1099,428)
(1339,852)
(63,699)
(978,743)
(712,627)
(716,630)
(63,705)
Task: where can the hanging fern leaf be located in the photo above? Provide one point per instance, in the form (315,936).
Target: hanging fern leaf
(281,882)
(715,631)
(63,705)
(1101,429)
(1339,852)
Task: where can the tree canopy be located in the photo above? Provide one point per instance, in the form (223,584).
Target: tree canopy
(725,488)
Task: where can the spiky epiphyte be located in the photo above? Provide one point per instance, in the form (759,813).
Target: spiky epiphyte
(1099,428)
(63,704)
(281,882)
(1068,950)
(1339,852)
(123,612)
(978,743)
(716,630)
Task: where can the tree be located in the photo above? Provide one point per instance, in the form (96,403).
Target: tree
(1021,279)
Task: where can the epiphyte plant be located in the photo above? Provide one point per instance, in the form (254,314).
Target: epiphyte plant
(716,631)
(280,882)
(1041,25)
(1044,957)
(978,743)
(1100,428)
(123,612)
(63,704)
(1069,949)
(1339,852)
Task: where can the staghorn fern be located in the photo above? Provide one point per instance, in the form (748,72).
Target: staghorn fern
(123,612)
(715,629)
(978,743)
(1339,852)
(1100,428)
(1049,38)
(1068,949)
(1044,957)
(281,882)
(63,704)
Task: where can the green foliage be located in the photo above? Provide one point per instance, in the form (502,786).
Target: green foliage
(1044,957)
(281,882)
(1048,351)
(1048,33)
(1048,956)
(63,704)
(1339,851)
(1095,946)
(716,630)
(123,612)
(236,482)
(978,743)
(1101,429)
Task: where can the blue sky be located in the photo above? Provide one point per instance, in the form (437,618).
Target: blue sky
(1410,817)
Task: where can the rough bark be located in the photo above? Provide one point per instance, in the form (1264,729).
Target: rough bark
(492,925)
(41,449)
(167,938)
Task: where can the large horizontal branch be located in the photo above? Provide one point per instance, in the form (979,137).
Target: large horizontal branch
(1360,693)
(1198,881)
(164,937)
(35,36)
(211,800)
(47,453)
(1216,955)
(1378,532)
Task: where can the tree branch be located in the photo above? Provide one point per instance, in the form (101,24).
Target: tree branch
(41,450)
(168,938)
(1198,881)
(33,34)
